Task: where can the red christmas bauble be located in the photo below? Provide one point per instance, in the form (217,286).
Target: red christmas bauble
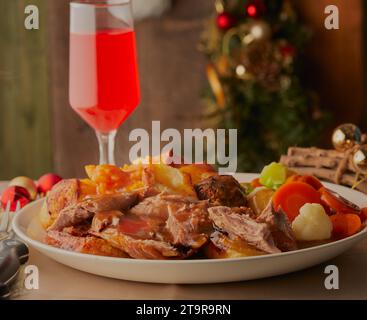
(255,8)
(27,183)
(287,50)
(46,182)
(15,194)
(251,10)
(225,21)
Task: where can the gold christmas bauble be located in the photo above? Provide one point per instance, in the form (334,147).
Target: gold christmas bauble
(346,136)
(360,159)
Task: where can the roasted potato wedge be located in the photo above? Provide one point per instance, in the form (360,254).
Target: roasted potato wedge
(89,244)
(44,216)
(163,178)
(87,188)
(63,194)
(259,199)
(198,172)
(108,178)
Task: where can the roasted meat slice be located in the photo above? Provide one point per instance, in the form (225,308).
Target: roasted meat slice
(105,219)
(189,226)
(157,206)
(132,234)
(221,246)
(138,248)
(184,219)
(89,244)
(127,224)
(244,210)
(280,228)
(80,230)
(254,233)
(174,225)
(221,191)
(85,210)
(63,194)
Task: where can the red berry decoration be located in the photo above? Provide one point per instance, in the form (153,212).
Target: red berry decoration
(225,21)
(255,8)
(46,182)
(15,194)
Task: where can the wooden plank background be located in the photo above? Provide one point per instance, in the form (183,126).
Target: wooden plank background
(34,94)
(25,143)
(335,60)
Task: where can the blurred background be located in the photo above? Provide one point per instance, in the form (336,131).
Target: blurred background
(41,133)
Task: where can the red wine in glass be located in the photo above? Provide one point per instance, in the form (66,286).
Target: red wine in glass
(104,82)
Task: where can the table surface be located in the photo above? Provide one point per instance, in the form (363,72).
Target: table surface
(57,281)
(61,282)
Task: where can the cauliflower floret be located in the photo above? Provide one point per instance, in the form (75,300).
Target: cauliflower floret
(312,223)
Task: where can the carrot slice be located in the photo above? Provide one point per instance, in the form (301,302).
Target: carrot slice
(311,180)
(292,196)
(337,203)
(353,223)
(345,224)
(363,214)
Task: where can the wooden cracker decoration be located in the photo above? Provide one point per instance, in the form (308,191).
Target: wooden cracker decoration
(345,165)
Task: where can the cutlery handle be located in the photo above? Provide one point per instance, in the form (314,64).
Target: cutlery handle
(9,266)
(13,253)
(21,249)
(4,291)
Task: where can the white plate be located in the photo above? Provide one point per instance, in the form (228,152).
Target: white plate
(188,271)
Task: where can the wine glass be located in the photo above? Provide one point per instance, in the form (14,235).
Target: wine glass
(104,82)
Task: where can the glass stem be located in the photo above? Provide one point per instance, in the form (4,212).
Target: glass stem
(106,143)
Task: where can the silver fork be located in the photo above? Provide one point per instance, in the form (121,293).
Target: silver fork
(5,221)
(8,240)
(13,253)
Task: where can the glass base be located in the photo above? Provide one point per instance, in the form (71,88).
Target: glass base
(106,143)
